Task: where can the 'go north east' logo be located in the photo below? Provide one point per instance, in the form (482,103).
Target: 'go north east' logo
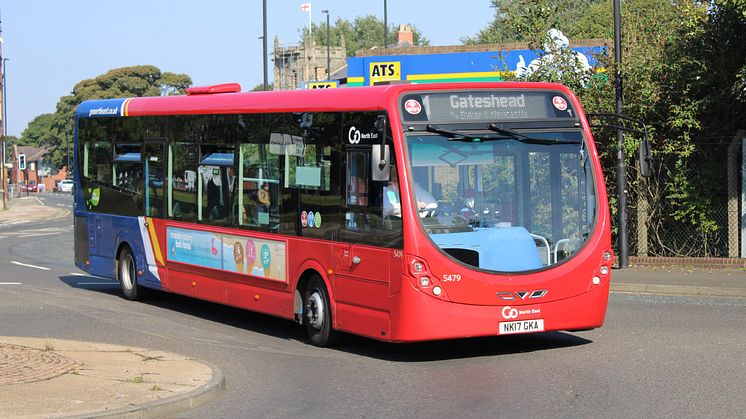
(95,194)
(354,135)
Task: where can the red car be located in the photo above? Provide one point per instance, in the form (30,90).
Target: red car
(32,187)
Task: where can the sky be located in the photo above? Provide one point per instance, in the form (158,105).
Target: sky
(53,44)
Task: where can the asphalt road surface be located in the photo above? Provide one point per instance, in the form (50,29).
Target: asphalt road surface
(656,356)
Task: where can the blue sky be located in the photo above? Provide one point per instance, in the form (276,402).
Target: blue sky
(53,44)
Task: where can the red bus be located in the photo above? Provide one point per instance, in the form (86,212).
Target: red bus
(401,213)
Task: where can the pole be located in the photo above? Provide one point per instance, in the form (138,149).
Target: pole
(264,43)
(4,130)
(621,170)
(385,25)
(328,48)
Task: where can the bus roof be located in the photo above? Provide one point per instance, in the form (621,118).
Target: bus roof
(317,100)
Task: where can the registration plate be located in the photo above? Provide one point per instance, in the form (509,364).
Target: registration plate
(521,326)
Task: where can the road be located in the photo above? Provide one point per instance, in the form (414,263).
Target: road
(656,356)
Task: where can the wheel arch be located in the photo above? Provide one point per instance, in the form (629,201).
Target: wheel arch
(307,271)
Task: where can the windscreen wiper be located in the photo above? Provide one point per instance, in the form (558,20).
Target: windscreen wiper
(452,135)
(526,139)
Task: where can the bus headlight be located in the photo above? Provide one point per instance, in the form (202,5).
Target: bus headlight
(604,270)
(425,281)
(437,291)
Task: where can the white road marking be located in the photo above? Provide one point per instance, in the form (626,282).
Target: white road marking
(13,222)
(10,283)
(30,266)
(38,234)
(39,200)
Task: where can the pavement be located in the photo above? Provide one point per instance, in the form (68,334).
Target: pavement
(30,208)
(53,378)
(60,378)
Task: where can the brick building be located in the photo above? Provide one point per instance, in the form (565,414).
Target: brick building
(38,171)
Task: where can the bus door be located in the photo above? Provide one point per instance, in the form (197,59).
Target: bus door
(154,162)
(363,251)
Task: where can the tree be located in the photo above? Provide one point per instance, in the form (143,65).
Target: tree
(39,131)
(529,20)
(55,131)
(364,32)
(260,87)
(684,75)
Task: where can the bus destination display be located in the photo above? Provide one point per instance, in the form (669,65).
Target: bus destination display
(484,106)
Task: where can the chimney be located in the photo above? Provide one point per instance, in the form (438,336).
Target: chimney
(405,35)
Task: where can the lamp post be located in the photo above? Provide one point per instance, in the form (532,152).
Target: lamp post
(264,43)
(385,25)
(328,48)
(3,169)
(621,173)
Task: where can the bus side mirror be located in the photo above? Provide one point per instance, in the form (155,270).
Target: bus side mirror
(646,159)
(380,166)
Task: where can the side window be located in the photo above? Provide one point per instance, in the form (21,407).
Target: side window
(357,177)
(182,171)
(216,182)
(127,168)
(314,170)
(259,187)
(97,161)
(111,163)
(372,209)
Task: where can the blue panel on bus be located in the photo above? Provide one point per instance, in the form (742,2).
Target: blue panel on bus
(101,108)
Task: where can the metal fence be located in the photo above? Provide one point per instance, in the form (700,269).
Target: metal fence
(702,220)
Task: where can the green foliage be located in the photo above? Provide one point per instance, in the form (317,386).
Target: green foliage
(529,20)
(12,139)
(55,131)
(684,74)
(364,32)
(260,87)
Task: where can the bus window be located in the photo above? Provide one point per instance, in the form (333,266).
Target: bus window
(357,175)
(97,162)
(258,190)
(182,170)
(217,178)
(127,170)
(372,213)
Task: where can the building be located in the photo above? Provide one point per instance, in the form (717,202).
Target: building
(297,65)
(37,172)
(404,62)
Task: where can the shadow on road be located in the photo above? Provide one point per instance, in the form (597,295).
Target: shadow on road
(288,330)
(92,283)
(461,348)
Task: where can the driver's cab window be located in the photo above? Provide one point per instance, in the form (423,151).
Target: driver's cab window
(372,212)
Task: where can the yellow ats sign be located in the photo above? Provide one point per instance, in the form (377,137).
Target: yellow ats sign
(386,71)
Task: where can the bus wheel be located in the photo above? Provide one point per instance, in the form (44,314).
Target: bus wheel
(318,313)
(127,275)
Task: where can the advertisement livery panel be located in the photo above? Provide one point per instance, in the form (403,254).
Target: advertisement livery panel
(244,255)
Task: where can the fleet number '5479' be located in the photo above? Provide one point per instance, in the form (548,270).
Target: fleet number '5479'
(451,277)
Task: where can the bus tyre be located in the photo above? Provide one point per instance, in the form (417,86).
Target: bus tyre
(127,275)
(318,313)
